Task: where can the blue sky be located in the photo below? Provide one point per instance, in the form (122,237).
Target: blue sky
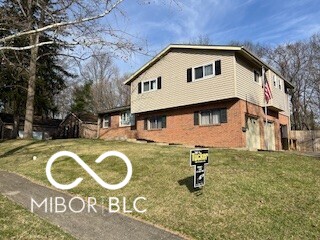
(265,21)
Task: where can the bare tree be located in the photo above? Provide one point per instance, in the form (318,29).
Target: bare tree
(107,89)
(65,22)
(258,49)
(101,72)
(124,91)
(299,63)
(202,39)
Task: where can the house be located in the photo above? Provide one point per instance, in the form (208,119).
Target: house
(78,125)
(206,96)
(43,128)
(117,123)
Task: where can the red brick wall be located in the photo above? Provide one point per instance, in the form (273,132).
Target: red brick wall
(115,131)
(88,130)
(276,118)
(180,126)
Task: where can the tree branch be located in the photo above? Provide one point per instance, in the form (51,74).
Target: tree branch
(61,24)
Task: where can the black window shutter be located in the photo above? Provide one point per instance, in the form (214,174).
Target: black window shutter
(139,87)
(164,122)
(159,82)
(145,124)
(196,118)
(189,75)
(223,115)
(218,67)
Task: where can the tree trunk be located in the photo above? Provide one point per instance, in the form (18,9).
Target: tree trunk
(28,122)
(15,130)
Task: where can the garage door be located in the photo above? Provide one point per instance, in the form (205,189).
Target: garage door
(270,138)
(253,134)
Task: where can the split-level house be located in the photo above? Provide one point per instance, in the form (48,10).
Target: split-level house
(204,95)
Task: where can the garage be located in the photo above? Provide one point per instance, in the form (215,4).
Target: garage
(253,133)
(270,137)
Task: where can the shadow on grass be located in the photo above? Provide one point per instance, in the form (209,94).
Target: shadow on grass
(188,182)
(14,150)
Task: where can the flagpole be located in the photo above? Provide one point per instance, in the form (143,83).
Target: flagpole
(265,111)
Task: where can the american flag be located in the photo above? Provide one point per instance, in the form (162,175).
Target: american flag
(267,89)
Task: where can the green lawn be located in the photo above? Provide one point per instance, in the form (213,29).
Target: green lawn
(254,195)
(18,223)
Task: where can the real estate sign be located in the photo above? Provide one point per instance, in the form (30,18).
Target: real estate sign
(198,159)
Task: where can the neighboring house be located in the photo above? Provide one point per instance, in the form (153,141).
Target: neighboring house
(43,128)
(80,125)
(305,140)
(208,96)
(117,123)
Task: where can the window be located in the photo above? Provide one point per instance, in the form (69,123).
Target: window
(210,117)
(126,118)
(198,72)
(106,121)
(149,85)
(146,87)
(158,122)
(257,76)
(280,83)
(155,123)
(274,80)
(203,72)
(153,85)
(208,70)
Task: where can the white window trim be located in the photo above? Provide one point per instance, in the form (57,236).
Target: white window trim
(275,80)
(204,77)
(280,85)
(104,121)
(150,90)
(260,77)
(120,122)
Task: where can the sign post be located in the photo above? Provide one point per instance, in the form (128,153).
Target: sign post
(198,159)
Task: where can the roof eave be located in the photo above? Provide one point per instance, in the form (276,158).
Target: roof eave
(118,109)
(252,55)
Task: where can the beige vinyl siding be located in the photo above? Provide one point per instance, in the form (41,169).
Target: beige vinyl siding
(247,89)
(279,99)
(176,91)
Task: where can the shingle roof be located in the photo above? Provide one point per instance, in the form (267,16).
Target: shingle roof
(117,109)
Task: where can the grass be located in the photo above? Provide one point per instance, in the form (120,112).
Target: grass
(255,195)
(18,223)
